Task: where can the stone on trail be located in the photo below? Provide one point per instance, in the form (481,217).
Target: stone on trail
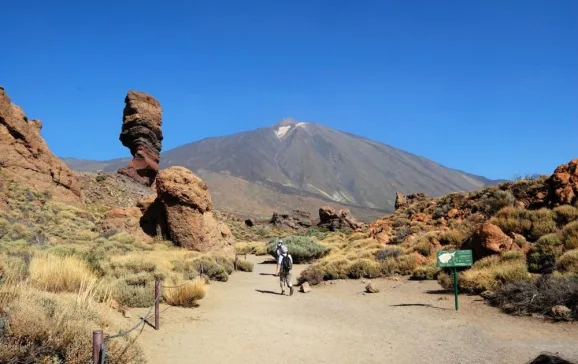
(370,288)
(305,288)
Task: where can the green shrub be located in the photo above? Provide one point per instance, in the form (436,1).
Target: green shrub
(244,265)
(568,262)
(364,268)
(565,214)
(570,235)
(426,272)
(454,237)
(301,248)
(543,222)
(135,290)
(490,273)
(312,274)
(388,252)
(542,256)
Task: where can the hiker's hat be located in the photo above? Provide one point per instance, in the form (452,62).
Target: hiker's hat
(280,242)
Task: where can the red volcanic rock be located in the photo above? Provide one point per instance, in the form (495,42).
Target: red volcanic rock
(563,184)
(25,157)
(142,134)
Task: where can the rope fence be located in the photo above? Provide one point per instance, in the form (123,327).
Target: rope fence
(100,339)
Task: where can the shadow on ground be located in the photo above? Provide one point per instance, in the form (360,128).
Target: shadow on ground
(268,292)
(420,305)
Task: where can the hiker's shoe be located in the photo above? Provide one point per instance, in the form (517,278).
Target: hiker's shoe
(282,291)
(290,291)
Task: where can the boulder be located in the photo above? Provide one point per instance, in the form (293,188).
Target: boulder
(489,239)
(305,288)
(26,158)
(250,222)
(142,134)
(295,220)
(402,200)
(337,219)
(185,200)
(561,312)
(563,184)
(370,288)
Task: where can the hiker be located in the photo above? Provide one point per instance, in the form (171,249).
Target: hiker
(278,252)
(285,261)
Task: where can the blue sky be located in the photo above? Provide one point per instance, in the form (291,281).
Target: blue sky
(489,87)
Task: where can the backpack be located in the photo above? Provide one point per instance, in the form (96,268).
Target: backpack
(286,263)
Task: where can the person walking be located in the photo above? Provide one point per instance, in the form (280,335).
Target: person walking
(278,252)
(285,261)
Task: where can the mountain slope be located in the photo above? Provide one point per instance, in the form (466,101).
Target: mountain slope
(309,161)
(305,158)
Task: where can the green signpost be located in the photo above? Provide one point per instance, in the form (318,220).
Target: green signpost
(454,259)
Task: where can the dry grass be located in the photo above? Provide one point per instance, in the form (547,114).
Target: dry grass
(57,328)
(255,247)
(59,274)
(185,295)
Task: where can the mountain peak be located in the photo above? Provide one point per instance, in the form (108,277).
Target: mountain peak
(286,122)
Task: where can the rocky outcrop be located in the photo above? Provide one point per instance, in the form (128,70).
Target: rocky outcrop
(337,219)
(25,157)
(295,220)
(402,200)
(123,219)
(489,239)
(563,184)
(185,201)
(142,134)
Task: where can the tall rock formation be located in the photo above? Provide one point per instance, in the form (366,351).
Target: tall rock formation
(25,157)
(142,134)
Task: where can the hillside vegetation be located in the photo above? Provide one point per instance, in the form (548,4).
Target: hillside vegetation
(525,247)
(61,276)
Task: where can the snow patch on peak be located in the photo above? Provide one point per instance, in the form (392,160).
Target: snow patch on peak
(300,124)
(282,130)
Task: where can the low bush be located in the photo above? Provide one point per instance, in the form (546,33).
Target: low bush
(388,252)
(543,254)
(532,224)
(426,272)
(244,265)
(565,214)
(538,296)
(364,268)
(568,262)
(488,274)
(570,235)
(256,248)
(301,248)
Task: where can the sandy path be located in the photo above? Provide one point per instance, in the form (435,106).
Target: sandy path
(337,324)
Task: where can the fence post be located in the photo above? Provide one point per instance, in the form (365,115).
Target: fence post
(236,258)
(157,311)
(96,346)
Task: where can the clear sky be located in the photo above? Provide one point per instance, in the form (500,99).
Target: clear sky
(489,87)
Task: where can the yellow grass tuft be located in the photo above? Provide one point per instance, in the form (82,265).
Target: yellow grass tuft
(59,274)
(186,295)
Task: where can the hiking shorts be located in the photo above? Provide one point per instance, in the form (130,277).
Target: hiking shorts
(285,278)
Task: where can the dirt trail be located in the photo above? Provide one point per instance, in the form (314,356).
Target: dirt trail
(246,321)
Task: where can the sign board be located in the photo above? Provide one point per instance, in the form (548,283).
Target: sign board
(454,258)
